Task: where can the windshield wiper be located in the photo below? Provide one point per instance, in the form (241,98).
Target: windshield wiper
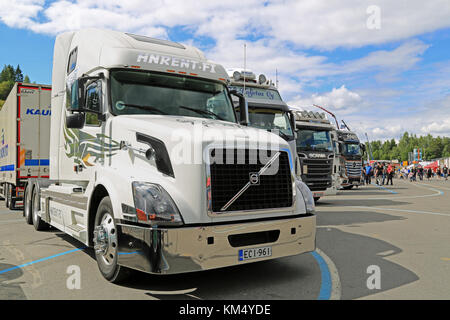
(143,107)
(285,136)
(203,112)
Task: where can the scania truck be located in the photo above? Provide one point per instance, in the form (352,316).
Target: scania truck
(25,132)
(316,152)
(150,167)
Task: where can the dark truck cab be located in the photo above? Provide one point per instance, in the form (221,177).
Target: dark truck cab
(315,152)
(351,156)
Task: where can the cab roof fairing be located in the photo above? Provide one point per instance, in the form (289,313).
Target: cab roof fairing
(99,48)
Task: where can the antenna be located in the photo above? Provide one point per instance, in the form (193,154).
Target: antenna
(370,149)
(329,112)
(245,63)
(276,77)
(346,125)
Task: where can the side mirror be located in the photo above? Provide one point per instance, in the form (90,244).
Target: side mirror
(75,120)
(243,107)
(78,95)
(292,120)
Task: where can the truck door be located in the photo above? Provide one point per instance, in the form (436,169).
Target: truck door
(33,131)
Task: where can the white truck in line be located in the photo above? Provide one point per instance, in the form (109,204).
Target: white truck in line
(316,151)
(266,108)
(25,132)
(123,108)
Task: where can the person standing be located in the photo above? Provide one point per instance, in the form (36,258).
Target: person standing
(379,173)
(384,174)
(363,173)
(429,173)
(445,172)
(438,172)
(390,175)
(368,174)
(420,172)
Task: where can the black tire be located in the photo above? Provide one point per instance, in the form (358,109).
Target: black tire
(107,263)
(39,224)
(8,199)
(27,206)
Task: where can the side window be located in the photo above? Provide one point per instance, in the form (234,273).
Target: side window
(94,103)
(72,60)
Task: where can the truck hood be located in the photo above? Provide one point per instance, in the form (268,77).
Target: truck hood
(186,140)
(199,132)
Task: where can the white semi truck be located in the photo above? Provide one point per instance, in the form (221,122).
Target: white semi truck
(316,152)
(124,107)
(25,132)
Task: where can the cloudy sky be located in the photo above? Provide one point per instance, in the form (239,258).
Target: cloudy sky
(382,66)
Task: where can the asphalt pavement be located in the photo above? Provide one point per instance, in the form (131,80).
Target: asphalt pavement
(373,242)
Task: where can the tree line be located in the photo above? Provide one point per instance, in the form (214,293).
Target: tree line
(433,147)
(8,76)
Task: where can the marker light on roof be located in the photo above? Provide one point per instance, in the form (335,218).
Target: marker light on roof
(262,79)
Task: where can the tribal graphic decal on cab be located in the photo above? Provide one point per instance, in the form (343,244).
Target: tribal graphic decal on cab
(86,149)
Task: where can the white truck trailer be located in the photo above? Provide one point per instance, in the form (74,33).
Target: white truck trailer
(123,106)
(25,133)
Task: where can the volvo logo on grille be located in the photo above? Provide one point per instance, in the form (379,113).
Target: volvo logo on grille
(254,178)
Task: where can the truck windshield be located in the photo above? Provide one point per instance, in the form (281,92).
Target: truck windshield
(352,149)
(271,120)
(312,140)
(142,92)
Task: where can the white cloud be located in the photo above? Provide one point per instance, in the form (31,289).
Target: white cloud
(338,100)
(322,24)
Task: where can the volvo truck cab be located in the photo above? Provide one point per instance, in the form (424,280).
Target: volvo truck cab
(150,166)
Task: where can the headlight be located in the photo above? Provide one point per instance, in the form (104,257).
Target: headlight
(307,196)
(154,205)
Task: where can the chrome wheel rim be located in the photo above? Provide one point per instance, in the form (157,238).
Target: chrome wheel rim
(105,239)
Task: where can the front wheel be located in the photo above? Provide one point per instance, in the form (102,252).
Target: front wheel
(106,244)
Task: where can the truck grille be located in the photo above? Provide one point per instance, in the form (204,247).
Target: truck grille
(229,177)
(318,176)
(353,168)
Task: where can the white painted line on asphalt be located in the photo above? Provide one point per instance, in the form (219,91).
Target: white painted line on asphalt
(437,193)
(334,292)
(402,210)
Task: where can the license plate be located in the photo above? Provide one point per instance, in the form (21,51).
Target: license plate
(355,183)
(254,253)
(318,194)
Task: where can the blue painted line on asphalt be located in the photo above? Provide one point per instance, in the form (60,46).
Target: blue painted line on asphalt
(325,285)
(384,188)
(40,260)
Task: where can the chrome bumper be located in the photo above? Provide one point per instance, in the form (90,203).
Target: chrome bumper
(188,249)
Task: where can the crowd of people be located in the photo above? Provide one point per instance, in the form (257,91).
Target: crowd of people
(421,173)
(384,173)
